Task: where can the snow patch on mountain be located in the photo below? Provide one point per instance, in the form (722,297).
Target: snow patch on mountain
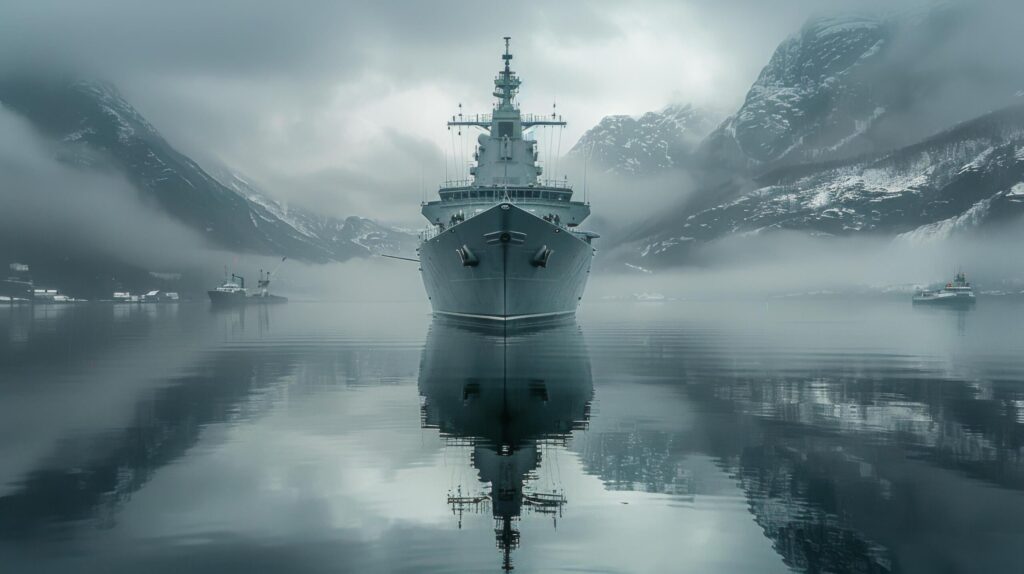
(242,186)
(646,144)
(1019,153)
(955,181)
(365,233)
(969,219)
(124,115)
(809,101)
(978,163)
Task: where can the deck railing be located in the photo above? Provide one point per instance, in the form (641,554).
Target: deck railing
(543,184)
(476,119)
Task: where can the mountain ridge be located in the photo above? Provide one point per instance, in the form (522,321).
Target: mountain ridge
(90,129)
(836,137)
(645,144)
(99,128)
(964,178)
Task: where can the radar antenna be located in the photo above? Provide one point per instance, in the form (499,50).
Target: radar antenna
(506,85)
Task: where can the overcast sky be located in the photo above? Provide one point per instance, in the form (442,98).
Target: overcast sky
(341,105)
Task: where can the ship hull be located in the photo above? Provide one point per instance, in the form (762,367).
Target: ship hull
(504,279)
(956,300)
(222,298)
(267,299)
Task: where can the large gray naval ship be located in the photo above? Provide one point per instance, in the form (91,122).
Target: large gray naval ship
(505,245)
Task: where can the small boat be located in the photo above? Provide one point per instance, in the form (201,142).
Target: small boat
(956,293)
(646,297)
(263,295)
(230,292)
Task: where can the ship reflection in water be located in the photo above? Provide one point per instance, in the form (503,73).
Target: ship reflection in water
(793,436)
(507,393)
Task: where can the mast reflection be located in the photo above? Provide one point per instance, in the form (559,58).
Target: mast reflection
(507,394)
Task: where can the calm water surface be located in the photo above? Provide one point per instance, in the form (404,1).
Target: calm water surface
(794,435)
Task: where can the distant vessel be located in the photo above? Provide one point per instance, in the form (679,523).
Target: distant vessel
(18,287)
(505,245)
(230,292)
(646,297)
(263,295)
(958,292)
(233,292)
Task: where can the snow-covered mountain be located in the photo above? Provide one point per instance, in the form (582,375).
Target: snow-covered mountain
(95,128)
(840,87)
(847,131)
(812,99)
(846,86)
(964,178)
(626,145)
(337,234)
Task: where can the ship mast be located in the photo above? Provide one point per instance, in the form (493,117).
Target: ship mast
(506,86)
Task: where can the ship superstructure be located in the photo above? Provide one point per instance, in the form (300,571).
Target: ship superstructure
(505,244)
(231,292)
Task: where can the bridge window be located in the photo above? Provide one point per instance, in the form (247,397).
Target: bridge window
(504,129)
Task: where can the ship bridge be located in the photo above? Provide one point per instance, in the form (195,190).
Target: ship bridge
(506,168)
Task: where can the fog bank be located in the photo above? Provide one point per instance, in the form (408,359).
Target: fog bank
(792,264)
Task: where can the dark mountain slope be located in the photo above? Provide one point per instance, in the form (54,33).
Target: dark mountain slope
(965,178)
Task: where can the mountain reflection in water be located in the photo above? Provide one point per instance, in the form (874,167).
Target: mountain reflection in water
(808,436)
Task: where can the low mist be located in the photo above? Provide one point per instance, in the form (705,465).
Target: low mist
(50,203)
(782,264)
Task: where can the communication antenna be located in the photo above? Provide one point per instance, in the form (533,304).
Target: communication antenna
(278,266)
(451,138)
(551,153)
(459,167)
(586,160)
(558,153)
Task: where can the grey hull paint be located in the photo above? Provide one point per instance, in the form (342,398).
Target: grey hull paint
(505,284)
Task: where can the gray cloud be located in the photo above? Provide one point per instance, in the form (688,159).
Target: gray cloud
(340,105)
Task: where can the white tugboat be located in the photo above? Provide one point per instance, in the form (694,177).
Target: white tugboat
(958,292)
(230,292)
(506,244)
